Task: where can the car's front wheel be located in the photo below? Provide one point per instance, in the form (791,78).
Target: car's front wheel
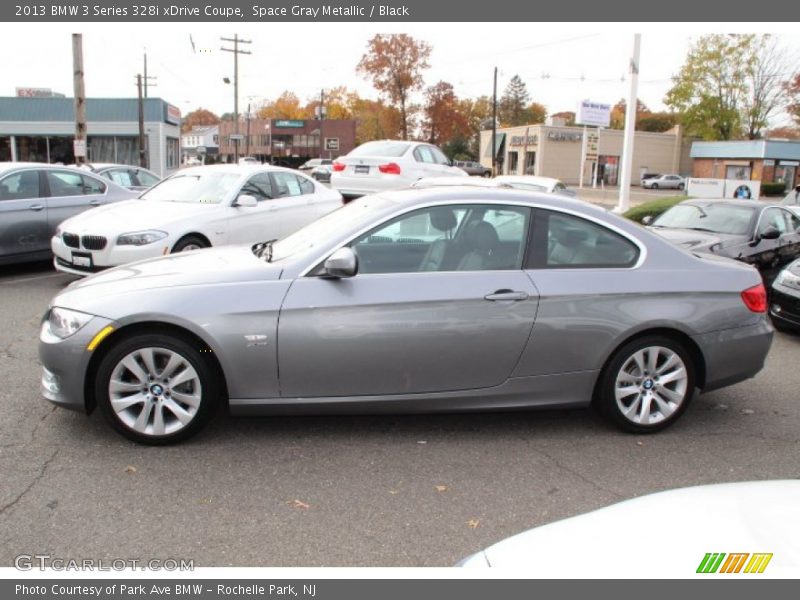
(189,242)
(647,384)
(653,186)
(680,186)
(156,388)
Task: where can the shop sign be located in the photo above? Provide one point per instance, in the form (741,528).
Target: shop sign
(593,114)
(290,123)
(173,114)
(79,148)
(564,136)
(331,143)
(521,140)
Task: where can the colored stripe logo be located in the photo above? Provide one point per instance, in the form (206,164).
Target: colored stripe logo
(735,562)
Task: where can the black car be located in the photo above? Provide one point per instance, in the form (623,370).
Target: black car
(784,307)
(763,235)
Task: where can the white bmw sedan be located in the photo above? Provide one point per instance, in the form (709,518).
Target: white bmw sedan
(389,165)
(195,208)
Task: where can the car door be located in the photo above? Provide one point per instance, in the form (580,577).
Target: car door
(789,242)
(23,214)
(70,192)
(251,224)
(764,254)
(440,304)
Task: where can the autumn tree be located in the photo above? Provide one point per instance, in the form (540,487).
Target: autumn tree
(395,63)
(657,122)
(513,102)
(617,120)
(442,117)
(198,118)
(376,120)
(787,133)
(285,106)
(477,113)
(535,113)
(792,90)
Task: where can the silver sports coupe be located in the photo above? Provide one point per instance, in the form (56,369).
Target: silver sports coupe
(420,300)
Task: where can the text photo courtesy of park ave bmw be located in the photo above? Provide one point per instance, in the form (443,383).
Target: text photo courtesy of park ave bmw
(311,300)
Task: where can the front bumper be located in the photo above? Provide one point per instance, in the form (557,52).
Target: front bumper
(784,305)
(110,256)
(733,355)
(65,363)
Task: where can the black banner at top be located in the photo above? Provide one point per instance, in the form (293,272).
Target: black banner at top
(255,11)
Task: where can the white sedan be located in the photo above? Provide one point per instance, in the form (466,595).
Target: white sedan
(535,183)
(195,208)
(388,165)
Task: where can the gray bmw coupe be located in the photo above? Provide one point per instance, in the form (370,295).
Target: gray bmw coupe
(442,299)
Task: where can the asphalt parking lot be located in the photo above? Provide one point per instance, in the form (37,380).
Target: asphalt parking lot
(348,491)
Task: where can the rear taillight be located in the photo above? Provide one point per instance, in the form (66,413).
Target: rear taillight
(390,168)
(337,166)
(755,298)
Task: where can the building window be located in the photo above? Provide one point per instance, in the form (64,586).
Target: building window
(173,153)
(513,160)
(530,163)
(737,172)
(5,149)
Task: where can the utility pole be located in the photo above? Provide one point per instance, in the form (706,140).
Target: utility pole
(630,126)
(321,121)
(79,146)
(494,125)
(247,142)
(142,154)
(236,52)
(146,78)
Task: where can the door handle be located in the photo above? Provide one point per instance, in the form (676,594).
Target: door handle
(95,202)
(507,295)
(36,207)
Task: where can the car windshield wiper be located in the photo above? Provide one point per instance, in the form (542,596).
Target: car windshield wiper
(264,250)
(701,229)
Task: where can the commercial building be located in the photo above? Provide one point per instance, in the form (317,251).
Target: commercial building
(42,129)
(200,141)
(288,142)
(556,151)
(768,161)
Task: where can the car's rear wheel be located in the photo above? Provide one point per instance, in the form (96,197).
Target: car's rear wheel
(487,174)
(647,384)
(189,242)
(155,388)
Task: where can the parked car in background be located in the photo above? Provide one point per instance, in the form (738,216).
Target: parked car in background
(388,165)
(419,300)
(763,235)
(322,173)
(131,177)
(249,160)
(693,541)
(535,183)
(312,163)
(472,167)
(195,208)
(666,182)
(792,200)
(36,197)
(647,176)
(784,307)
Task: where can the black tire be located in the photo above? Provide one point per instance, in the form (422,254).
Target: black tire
(680,186)
(654,186)
(189,242)
(675,395)
(163,346)
(487,174)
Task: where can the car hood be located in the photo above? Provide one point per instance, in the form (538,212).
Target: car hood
(700,241)
(213,266)
(689,523)
(134,215)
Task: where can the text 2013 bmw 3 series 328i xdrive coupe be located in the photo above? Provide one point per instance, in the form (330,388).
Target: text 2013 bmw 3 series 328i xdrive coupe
(443,299)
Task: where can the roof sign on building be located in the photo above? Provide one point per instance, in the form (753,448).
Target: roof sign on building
(173,114)
(31,92)
(297,124)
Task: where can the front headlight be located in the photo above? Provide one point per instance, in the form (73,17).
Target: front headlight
(141,238)
(63,322)
(789,279)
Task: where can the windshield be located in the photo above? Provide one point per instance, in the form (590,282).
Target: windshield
(381,149)
(716,218)
(318,232)
(200,188)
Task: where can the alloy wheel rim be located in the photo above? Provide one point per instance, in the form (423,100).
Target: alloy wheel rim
(155,391)
(651,385)
(188,247)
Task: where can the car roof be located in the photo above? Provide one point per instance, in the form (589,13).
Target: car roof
(11,166)
(237,169)
(531,179)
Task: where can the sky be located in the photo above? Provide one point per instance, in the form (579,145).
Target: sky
(561,63)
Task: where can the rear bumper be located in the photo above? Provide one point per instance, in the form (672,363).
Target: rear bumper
(352,185)
(733,355)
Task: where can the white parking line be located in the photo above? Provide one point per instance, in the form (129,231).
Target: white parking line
(32,278)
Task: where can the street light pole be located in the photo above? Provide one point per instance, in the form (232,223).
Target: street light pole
(630,127)
(494,125)
(236,52)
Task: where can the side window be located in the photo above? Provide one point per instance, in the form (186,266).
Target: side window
(792,221)
(258,186)
(772,217)
(446,238)
(439,156)
(306,185)
(92,186)
(286,184)
(120,177)
(65,183)
(20,186)
(146,179)
(423,154)
(566,241)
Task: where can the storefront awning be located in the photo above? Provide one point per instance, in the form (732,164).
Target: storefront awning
(499,138)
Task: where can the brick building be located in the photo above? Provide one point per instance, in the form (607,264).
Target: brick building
(288,142)
(768,161)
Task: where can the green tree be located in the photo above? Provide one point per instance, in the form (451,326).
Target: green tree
(513,102)
(657,122)
(395,63)
(711,89)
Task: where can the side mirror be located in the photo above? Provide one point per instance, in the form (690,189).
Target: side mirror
(770,233)
(246,201)
(647,219)
(342,263)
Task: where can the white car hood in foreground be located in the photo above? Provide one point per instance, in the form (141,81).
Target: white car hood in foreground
(134,215)
(666,534)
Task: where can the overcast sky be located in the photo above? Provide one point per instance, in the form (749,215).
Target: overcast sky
(561,63)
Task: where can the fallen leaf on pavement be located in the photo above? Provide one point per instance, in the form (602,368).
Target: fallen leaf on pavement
(441,488)
(130,470)
(473,523)
(298,504)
